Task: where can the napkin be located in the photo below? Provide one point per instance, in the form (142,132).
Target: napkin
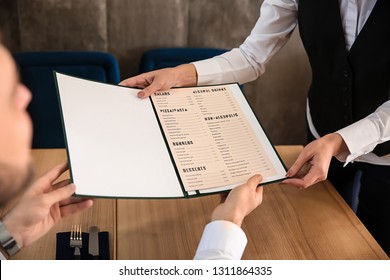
(65,252)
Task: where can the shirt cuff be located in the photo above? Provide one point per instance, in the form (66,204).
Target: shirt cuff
(209,72)
(360,137)
(229,67)
(221,240)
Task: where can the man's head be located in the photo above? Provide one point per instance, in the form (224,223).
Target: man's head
(15,130)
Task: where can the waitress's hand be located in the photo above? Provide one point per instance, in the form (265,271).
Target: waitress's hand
(164,79)
(313,162)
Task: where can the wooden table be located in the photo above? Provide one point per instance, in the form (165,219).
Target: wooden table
(290,224)
(314,223)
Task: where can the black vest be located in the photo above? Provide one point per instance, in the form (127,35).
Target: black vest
(346,85)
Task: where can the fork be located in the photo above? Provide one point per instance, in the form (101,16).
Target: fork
(76,240)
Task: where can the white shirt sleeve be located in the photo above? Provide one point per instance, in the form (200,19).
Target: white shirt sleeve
(277,20)
(221,240)
(362,136)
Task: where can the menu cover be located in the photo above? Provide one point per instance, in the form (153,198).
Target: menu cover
(182,142)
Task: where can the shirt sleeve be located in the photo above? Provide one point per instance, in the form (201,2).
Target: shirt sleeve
(221,240)
(362,137)
(277,20)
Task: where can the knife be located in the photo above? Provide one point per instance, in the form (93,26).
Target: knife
(93,245)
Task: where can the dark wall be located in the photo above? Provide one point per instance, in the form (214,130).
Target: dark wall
(127,28)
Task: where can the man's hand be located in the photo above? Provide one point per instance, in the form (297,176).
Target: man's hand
(313,162)
(164,79)
(43,205)
(240,202)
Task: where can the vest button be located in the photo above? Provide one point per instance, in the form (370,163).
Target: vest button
(344,88)
(345,73)
(346,117)
(346,103)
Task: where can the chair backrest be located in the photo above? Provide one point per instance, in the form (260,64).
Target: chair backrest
(169,57)
(36,71)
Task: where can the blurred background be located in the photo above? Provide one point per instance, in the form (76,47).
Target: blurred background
(128,28)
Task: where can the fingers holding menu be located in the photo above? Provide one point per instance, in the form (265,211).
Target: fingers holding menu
(241,201)
(164,79)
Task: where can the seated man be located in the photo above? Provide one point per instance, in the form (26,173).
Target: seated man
(44,203)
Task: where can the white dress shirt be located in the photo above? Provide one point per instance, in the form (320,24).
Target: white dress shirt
(277,21)
(221,240)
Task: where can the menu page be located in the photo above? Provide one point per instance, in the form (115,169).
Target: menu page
(211,141)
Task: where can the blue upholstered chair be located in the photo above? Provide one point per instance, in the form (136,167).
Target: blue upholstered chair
(36,71)
(170,57)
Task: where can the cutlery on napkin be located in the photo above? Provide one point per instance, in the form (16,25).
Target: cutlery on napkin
(93,245)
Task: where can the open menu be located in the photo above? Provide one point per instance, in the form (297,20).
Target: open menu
(183,142)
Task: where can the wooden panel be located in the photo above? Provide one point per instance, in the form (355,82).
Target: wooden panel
(9,25)
(63,25)
(221,23)
(139,25)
